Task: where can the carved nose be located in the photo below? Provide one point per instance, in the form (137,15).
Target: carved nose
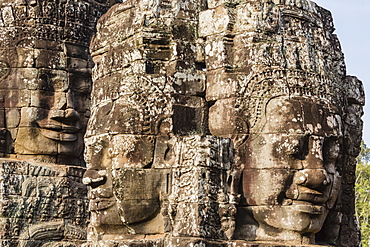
(64,100)
(95,178)
(71,114)
(312,178)
(310,185)
(63,108)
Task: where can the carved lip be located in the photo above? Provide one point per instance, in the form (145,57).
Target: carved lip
(58,132)
(101,204)
(308,195)
(307,200)
(306,207)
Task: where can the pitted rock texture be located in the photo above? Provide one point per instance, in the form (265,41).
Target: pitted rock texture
(46,78)
(42,204)
(45,73)
(202,123)
(268,75)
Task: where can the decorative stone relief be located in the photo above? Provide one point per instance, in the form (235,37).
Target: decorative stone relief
(146,88)
(41,204)
(210,123)
(45,85)
(45,72)
(268,75)
(286,105)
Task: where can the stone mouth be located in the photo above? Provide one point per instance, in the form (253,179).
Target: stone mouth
(308,195)
(101,204)
(58,132)
(101,193)
(58,135)
(306,207)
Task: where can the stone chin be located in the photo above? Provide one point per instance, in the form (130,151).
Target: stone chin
(104,212)
(303,218)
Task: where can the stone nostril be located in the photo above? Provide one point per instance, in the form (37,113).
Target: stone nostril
(86,181)
(72,114)
(312,178)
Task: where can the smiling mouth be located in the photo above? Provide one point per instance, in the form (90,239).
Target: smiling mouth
(58,132)
(307,200)
(302,193)
(306,207)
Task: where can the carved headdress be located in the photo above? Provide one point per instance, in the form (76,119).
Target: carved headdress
(295,55)
(61,20)
(270,84)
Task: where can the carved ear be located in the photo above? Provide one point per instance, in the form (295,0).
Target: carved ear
(3,131)
(241,132)
(164,126)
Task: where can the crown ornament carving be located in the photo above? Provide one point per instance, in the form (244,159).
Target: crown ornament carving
(67,20)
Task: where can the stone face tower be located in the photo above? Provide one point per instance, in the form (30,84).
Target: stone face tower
(203,123)
(224,121)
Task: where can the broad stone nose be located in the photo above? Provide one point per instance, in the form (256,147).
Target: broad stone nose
(71,114)
(64,108)
(310,185)
(312,178)
(314,158)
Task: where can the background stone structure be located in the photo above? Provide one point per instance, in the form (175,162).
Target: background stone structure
(181,100)
(42,205)
(45,99)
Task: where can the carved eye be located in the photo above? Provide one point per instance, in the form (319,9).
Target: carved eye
(81,83)
(44,83)
(294,146)
(84,89)
(331,148)
(295,151)
(300,150)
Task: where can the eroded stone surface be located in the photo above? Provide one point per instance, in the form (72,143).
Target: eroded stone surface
(46,77)
(45,85)
(268,75)
(42,204)
(211,123)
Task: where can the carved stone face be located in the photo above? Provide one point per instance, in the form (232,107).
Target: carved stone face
(290,178)
(124,195)
(56,90)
